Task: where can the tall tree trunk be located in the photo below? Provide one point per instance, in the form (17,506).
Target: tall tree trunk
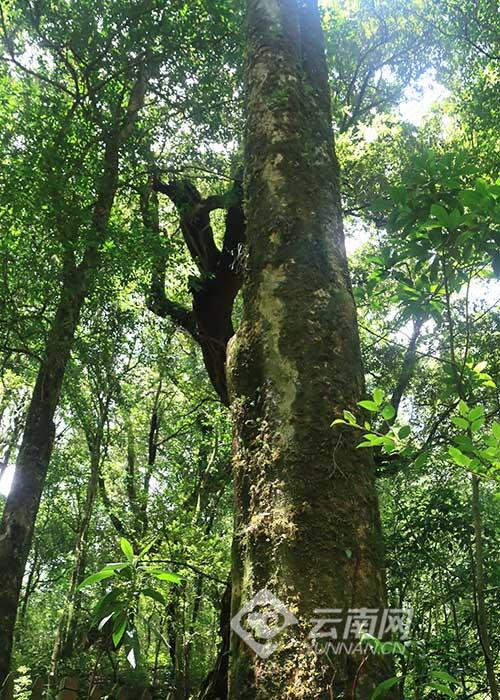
(482,621)
(215,685)
(21,508)
(477,555)
(18,520)
(176,642)
(307,522)
(31,585)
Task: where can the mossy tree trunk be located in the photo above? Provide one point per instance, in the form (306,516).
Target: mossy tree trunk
(307,522)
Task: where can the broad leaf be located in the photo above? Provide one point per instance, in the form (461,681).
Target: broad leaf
(384,687)
(388,412)
(99,576)
(127,548)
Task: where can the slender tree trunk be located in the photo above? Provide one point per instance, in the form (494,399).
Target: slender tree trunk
(66,621)
(482,621)
(21,508)
(477,556)
(31,585)
(18,521)
(176,642)
(215,685)
(307,522)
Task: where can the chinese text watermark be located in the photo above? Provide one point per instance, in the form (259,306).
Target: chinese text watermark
(333,630)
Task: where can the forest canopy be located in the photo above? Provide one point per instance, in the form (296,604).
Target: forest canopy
(202,395)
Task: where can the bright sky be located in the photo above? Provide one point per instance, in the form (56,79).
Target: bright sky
(420,98)
(6,480)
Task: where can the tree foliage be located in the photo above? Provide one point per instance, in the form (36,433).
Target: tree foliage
(121,128)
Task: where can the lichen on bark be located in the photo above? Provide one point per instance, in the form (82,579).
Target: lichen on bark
(306,523)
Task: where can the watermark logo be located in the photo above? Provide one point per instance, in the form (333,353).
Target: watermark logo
(360,630)
(334,630)
(335,623)
(261,620)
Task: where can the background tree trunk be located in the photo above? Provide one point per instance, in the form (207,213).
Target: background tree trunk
(18,519)
(63,643)
(481,615)
(307,522)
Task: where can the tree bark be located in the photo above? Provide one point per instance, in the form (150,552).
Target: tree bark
(307,522)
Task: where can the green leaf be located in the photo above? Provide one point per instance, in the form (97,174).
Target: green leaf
(463,409)
(106,604)
(369,405)
(154,594)
(464,443)
(443,676)
(477,424)
(117,565)
(458,457)
(479,367)
(385,686)
(350,417)
(371,641)
(378,396)
(443,689)
(440,214)
(389,446)
(119,629)
(421,460)
(404,432)
(470,198)
(388,412)
(375,439)
(496,429)
(127,548)
(167,576)
(460,422)
(454,219)
(475,413)
(99,576)
(146,548)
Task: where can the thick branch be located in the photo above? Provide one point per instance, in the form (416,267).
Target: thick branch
(157,301)
(210,322)
(194,213)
